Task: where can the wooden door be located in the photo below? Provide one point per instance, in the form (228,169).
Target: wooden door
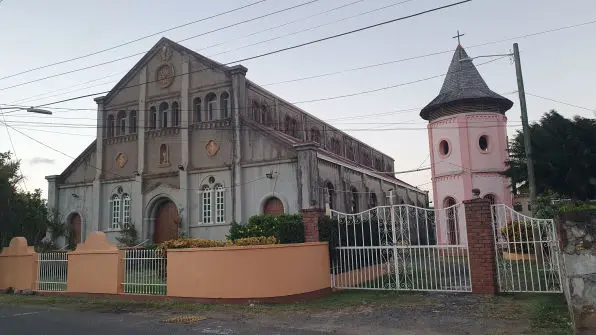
(273,206)
(75,222)
(166,222)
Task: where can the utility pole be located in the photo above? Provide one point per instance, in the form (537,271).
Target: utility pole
(525,126)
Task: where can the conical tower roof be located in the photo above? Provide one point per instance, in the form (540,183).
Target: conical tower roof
(463,83)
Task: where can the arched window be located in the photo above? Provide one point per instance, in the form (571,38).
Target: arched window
(491,198)
(175,114)
(373,202)
(163,112)
(349,150)
(206,204)
(110,125)
(220,210)
(153,117)
(264,115)
(330,194)
(254,112)
(126,208)
(315,135)
(225,105)
(451,214)
(132,124)
(273,206)
(211,104)
(197,109)
(121,122)
(115,211)
(354,200)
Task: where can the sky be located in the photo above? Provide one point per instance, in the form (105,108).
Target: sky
(557,65)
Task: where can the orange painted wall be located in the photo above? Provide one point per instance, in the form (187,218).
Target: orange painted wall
(18,265)
(95,267)
(248,272)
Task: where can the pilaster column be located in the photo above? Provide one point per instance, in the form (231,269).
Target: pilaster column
(96,219)
(137,202)
(238,73)
(184,139)
(308,176)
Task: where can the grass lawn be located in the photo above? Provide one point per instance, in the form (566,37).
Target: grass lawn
(543,314)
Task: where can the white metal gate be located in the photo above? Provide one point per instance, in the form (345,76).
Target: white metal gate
(527,252)
(52,271)
(145,271)
(395,248)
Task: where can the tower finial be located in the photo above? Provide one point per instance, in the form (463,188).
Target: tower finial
(458,36)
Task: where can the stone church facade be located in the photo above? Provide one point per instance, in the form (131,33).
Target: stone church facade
(186,146)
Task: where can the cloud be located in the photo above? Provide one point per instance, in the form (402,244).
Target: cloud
(41,160)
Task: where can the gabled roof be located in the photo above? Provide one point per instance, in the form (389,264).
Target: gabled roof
(77,161)
(155,49)
(464,83)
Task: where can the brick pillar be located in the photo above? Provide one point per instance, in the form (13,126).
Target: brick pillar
(310,219)
(481,246)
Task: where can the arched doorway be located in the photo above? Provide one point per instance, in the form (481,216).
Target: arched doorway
(166,222)
(75,224)
(273,206)
(451,213)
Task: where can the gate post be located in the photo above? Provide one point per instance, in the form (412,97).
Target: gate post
(481,246)
(310,220)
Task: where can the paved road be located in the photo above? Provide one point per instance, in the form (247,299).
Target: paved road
(48,321)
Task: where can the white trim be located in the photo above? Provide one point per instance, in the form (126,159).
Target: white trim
(366,172)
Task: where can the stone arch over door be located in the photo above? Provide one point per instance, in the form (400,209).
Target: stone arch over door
(165,219)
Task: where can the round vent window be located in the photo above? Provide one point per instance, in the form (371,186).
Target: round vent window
(211,180)
(444,148)
(483,143)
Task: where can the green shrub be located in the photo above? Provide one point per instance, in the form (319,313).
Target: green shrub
(182,243)
(285,228)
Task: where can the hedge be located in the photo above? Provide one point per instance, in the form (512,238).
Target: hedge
(285,228)
(182,243)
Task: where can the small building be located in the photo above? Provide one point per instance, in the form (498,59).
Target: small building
(186,146)
(468,143)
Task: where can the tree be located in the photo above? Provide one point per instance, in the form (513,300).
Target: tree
(564,155)
(21,213)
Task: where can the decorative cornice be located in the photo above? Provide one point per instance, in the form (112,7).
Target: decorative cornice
(213,124)
(443,122)
(162,132)
(448,177)
(120,139)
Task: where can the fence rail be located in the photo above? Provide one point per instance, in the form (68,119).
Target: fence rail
(526,252)
(394,248)
(52,271)
(144,272)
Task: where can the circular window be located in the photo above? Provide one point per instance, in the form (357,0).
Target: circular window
(483,143)
(444,148)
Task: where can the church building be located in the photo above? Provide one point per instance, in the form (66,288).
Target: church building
(467,134)
(185,146)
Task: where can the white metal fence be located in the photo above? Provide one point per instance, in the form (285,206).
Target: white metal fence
(144,271)
(395,248)
(527,252)
(52,271)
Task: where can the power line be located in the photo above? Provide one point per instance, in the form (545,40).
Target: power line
(307,101)
(313,28)
(399,60)
(144,52)
(134,40)
(15,152)
(247,58)
(562,102)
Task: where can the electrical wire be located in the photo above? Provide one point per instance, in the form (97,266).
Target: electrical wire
(133,41)
(300,45)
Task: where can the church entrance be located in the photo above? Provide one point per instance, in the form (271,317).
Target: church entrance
(273,206)
(166,222)
(75,224)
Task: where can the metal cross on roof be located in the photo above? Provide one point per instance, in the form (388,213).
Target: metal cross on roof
(458,36)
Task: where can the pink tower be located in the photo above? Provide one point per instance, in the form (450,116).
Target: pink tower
(468,142)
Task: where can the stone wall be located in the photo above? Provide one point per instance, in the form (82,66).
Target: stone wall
(578,243)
